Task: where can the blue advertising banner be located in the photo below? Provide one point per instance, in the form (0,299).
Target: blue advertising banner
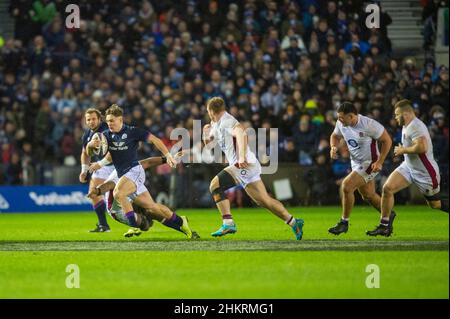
(29,199)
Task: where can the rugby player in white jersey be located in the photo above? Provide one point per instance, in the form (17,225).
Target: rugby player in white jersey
(243,169)
(419,166)
(362,136)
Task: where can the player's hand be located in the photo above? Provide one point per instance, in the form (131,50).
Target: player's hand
(242,163)
(333,152)
(94,167)
(178,156)
(170,160)
(206,133)
(95,142)
(376,167)
(399,150)
(82,177)
(94,192)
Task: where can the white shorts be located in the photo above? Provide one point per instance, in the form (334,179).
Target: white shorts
(247,175)
(115,178)
(421,180)
(103,172)
(137,175)
(364,170)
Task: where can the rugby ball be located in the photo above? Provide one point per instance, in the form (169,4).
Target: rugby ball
(103,148)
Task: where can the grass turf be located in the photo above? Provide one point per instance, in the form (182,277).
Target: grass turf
(261,261)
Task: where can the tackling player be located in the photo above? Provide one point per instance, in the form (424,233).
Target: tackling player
(123,141)
(243,169)
(144,218)
(419,167)
(361,135)
(94,123)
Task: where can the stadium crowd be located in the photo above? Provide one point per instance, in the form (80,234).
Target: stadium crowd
(285,64)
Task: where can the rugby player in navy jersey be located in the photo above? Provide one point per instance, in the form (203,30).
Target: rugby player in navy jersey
(144,218)
(123,141)
(94,123)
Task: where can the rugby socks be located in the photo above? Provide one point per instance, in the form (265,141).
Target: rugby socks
(131,218)
(174,222)
(384,221)
(291,221)
(228,219)
(100,210)
(444,205)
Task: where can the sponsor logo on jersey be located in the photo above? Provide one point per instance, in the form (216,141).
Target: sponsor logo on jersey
(352,143)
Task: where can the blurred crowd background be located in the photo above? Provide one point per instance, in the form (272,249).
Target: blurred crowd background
(278,64)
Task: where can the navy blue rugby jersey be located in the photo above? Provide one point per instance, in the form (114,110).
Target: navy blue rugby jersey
(123,147)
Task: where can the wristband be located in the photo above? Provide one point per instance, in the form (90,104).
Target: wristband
(103,162)
(84,168)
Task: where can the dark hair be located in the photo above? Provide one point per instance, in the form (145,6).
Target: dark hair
(346,108)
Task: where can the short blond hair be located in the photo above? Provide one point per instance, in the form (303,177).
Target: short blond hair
(114,110)
(404,105)
(216,104)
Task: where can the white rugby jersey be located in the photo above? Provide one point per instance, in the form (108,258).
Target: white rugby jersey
(361,138)
(422,164)
(222,132)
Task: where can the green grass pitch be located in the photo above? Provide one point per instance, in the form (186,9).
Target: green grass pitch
(262,260)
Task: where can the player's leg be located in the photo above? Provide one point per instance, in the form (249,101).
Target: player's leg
(370,195)
(441,204)
(124,187)
(99,206)
(351,183)
(434,201)
(395,183)
(163,214)
(219,184)
(258,193)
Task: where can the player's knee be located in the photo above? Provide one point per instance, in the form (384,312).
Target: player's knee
(388,189)
(118,194)
(368,197)
(434,204)
(347,187)
(214,184)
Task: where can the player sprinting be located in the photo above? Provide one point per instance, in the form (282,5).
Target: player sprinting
(419,167)
(123,141)
(362,135)
(243,169)
(94,123)
(144,218)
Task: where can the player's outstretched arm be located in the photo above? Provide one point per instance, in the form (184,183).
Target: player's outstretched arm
(101,189)
(152,161)
(386,144)
(163,149)
(241,140)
